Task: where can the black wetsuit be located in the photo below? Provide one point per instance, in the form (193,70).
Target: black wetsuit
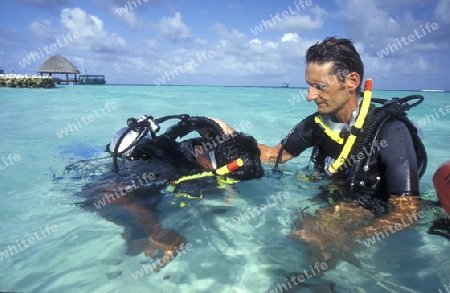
(170,160)
(180,155)
(392,165)
(161,160)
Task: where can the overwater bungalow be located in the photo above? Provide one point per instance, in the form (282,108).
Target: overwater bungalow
(58,64)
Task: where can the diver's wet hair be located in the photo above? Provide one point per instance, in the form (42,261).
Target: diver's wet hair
(240,146)
(339,51)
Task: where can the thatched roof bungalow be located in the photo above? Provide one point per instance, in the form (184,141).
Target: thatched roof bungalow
(57,64)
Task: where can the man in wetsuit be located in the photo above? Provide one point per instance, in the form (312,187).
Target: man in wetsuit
(385,173)
(334,73)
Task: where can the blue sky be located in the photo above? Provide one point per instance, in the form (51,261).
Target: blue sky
(233,43)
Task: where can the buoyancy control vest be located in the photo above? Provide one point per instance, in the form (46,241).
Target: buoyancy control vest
(336,153)
(361,173)
(360,169)
(394,109)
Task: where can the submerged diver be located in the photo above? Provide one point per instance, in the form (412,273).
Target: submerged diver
(212,150)
(374,153)
(171,164)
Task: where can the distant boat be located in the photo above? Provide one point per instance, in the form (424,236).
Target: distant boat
(91,79)
(432,91)
(285,85)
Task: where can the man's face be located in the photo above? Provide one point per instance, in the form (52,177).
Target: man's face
(202,158)
(330,94)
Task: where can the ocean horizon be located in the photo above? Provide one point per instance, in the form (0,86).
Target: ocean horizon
(261,86)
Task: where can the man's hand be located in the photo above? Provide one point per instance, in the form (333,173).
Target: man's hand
(170,242)
(225,127)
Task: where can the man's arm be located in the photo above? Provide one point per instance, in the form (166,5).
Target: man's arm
(167,240)
(270,154)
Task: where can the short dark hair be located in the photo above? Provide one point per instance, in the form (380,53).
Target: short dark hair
(341,52)
(240,146)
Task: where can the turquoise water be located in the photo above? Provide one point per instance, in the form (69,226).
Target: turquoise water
(55,246)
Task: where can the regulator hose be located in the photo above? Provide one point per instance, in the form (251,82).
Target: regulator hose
(195,123)
(204,122)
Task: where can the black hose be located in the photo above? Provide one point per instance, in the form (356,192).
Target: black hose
(180,116)
(204,122)
(365,138)
(194,123)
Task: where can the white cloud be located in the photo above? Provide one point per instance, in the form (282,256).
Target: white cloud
(90,29)
(130,18)
(442,12)
(174,29)
(290,37)
(373,26)
(388,22)
(43,29)
(245,61)
(298,22)
(76,19)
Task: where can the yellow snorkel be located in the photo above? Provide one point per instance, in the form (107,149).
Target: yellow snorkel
(222,179)
(224,170)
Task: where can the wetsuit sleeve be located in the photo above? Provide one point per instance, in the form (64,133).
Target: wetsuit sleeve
(398,159)
(302,136)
